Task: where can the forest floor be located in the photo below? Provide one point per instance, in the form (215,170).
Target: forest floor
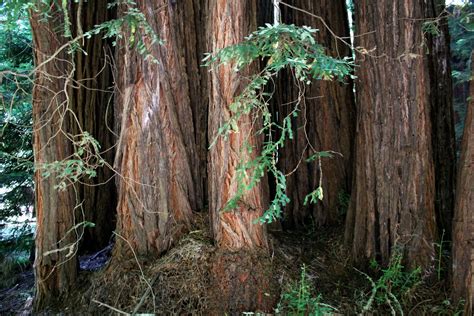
(179,282)
(18,298)
(334,281)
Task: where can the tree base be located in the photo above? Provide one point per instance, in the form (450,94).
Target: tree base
(244,282)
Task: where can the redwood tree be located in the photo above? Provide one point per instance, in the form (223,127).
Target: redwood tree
(55,272)
(92,103)
(72,98)
(442,116)
(325,121)
(159,115)
(240,279)
(463,228)
(396,185)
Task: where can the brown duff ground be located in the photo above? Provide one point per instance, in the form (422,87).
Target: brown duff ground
(181,281)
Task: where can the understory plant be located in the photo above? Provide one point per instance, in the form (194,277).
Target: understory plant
(299,300)
(394,283)
(279,47)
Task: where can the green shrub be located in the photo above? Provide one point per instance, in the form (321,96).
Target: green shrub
(393,284)
(299,300)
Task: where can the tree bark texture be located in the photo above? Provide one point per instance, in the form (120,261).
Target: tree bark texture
(233,230)
(55,272)
(442,117)
(395,189)
(325,122)
(240,280)
(160,109)
(463,224)
(92,103)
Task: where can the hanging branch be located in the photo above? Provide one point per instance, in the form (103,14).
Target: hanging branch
(283,47)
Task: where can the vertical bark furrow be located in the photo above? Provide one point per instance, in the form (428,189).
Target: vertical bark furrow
(325,122)
(442,116)
(159,184)
(233,230)
(396,181)
(463,224)
(91,102)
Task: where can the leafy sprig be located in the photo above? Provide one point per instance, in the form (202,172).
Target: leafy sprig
(82,163)
(282,46)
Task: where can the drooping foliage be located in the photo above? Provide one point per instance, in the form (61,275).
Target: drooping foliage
(326,122)
(280,46)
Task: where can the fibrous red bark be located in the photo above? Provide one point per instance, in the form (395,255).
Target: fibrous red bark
(159,110)
(234,230)
(239,281)
(396,184)
(71,96)
(92,103)
(56,240)
(463,224)
(442,117)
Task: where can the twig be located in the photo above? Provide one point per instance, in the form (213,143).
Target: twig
(142,300)
(418,304)
(110,307)
(140,267)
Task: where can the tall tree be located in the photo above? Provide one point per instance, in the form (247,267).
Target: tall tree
(71,103)
(239,279)
(55,264)
(325,121)
(463,250)
(396,184)
(159,111)
(92,104)
(442,114)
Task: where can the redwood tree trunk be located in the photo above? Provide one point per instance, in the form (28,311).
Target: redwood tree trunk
(442,117)
(56,241)
(92,103)
(159,109)
(233,230)
(71,96)
(240,281)
(394,193)
(463,228)
(325,122)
